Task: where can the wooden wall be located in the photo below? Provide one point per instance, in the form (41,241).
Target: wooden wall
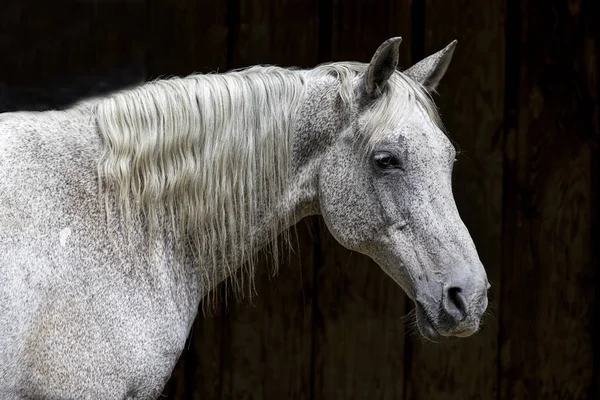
(520,100)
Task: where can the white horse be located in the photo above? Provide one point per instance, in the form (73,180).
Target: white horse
(118,216)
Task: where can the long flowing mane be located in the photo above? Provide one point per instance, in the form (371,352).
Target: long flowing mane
(202,157)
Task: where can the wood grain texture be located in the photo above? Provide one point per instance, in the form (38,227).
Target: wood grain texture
(42,42)
(268,350)
(547,325)
(183,37)
(359,27)
(283,33)
(359,325)
(186,36)
(471,101)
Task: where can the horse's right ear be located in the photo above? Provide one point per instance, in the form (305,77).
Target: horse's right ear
(382,66)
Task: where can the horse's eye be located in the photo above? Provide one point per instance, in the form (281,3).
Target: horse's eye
(386,160)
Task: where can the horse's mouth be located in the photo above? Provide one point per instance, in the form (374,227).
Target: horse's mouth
(429,330)
(425,324)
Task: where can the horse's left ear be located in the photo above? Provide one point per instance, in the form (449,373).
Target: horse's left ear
(382,66)
(429,71)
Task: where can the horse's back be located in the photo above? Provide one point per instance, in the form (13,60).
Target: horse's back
(65,307)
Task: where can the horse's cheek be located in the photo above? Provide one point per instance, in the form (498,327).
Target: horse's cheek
(347,207)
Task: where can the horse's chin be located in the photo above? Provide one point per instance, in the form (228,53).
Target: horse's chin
(429,330)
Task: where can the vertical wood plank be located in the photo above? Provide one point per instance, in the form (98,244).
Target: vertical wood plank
(268,349)
(359,27)
(186,36)
(46,42)
(283,33)
(592,62)
(268,353)
(183,37)
(551,152)
(471,101)
(359,325)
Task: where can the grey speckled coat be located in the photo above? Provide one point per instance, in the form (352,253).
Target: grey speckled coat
(84,318)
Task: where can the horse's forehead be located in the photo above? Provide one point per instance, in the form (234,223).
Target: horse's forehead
(418,130)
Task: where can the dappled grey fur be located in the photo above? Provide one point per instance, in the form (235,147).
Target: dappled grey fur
(97,306)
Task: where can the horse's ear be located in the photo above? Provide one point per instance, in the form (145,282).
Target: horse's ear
(382,66)
(429,71)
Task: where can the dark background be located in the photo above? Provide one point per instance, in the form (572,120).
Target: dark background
(521,101)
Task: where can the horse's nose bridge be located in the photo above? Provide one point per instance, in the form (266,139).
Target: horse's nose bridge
(460,243)
(453,243)
(448,242)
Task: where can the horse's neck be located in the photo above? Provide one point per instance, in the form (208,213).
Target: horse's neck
(317,125)
(245,192)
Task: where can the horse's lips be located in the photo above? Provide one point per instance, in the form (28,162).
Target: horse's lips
(425,325)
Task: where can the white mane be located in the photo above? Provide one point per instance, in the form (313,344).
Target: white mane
(201,156)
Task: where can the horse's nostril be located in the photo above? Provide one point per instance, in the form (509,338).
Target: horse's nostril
(455,304)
